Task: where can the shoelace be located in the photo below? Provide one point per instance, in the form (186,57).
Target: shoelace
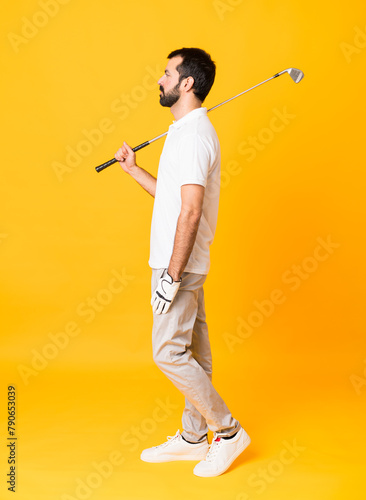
(170,441)
(214,448)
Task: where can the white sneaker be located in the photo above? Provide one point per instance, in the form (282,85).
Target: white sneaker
(175,449)
(222,454)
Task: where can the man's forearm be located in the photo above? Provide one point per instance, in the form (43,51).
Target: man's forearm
(146,180)
(185,236)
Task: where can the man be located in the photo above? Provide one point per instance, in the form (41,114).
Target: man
(186,194)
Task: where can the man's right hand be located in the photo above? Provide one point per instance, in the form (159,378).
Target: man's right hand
(126,158)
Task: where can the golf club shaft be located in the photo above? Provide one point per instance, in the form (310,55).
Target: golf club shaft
(144,144)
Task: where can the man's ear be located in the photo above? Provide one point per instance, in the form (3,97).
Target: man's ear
(188,83)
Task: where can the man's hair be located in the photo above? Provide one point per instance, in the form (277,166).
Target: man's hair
(199,65)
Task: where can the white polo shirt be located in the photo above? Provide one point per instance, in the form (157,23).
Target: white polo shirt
(191,155)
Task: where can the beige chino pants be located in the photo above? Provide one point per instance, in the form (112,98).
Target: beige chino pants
(181,349)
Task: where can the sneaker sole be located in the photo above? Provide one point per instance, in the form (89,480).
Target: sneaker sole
(234,457)
(168,458)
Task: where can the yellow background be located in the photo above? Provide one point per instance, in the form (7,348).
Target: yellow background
(299,377)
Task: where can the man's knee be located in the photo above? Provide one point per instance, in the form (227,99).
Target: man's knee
(167,356)
(159,357)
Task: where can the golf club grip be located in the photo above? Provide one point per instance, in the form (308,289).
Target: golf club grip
(99,168)
(113,160)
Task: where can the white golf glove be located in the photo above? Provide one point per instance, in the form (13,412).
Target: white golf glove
(164,293)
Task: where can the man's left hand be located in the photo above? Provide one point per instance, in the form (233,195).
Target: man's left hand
(164,293)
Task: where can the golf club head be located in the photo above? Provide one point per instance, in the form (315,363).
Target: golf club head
(296,74)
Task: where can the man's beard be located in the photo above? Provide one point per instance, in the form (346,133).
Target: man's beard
(169,99)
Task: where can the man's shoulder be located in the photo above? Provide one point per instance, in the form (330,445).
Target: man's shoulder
(200,128)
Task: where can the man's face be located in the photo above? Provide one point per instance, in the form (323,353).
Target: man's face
(169,83)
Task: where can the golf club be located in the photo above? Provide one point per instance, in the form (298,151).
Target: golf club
(296,75)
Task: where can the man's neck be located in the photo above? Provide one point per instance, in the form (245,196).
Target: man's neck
(180,109)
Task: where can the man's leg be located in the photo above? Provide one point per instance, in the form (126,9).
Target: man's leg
(172,340)
(194,424)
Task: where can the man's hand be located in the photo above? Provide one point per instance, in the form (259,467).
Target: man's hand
(164,293)
(126,158)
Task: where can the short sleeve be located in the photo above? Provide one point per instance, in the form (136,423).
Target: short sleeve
(194,160)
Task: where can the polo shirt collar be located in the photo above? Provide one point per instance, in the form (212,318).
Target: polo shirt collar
(192,115)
